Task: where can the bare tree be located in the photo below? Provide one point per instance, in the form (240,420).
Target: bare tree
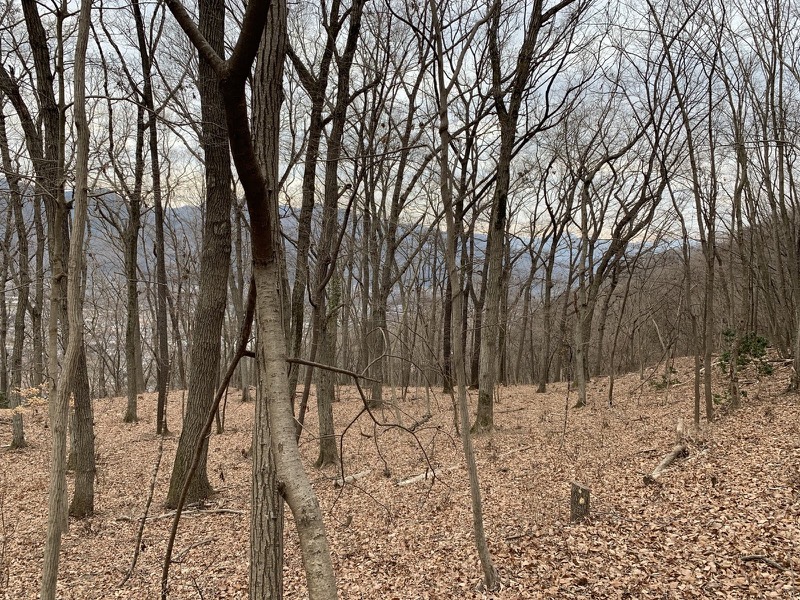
(57,504)
(546,44)
(12,391)
(490,575)
(261,194)
(214,263)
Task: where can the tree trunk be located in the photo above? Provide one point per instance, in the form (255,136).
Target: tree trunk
(291,478)
(266,514)
(57,522)
(38,367)
(544,361)
(267,510)
(328,249)
(13,394)
(261,192)
(328,444)
(204,362)
(316,87)
(490,575)
(4,267)
(447,340)
(133,364)
(82,504)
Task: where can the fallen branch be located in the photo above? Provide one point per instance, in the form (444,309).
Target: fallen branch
(784,361)
(143,518)
(678,451)
(511,410)
(187,513)
(425,418)
(186,551)
(434,473)
(351,478)
(517,536)
(428,474)
(765,559)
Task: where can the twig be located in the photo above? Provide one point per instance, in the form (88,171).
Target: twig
(143,518)
(316,365)
(765,559)
(191,547)
(244,337)
(187,513)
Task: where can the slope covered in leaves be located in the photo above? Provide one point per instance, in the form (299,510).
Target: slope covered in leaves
(723,522)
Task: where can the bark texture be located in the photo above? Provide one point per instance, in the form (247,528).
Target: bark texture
(204,362)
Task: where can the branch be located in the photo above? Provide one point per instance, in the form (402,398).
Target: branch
(143,518)
(311,363)
(765,559)
(244,337)
(249,40)
(198,40)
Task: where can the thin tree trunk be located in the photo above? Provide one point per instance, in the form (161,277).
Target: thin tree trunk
(13,394)
(57,522)
(4,268)
(133,364)
(490,575)
(38,367)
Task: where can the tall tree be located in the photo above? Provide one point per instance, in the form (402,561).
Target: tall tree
(444,88)
(262,203)
(12,392)
(267,507)
(546,43)
(57,504)
(215,257)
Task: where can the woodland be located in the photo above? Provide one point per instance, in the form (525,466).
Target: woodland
(399,299)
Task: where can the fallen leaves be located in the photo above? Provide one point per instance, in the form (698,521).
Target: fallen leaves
(692,535)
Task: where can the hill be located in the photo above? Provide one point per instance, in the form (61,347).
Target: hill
(723,522)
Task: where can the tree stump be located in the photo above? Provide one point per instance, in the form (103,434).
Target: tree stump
(579,503)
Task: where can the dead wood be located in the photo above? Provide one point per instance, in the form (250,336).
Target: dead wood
(425,418)
(187,513)
(433,473)
(351,478)
(678,451)
(579,502)
(765,559)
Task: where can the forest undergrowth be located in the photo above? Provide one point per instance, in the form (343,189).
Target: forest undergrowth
(723,522)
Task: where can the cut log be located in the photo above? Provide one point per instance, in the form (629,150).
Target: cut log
(351,478)
(578,503)
(679,451)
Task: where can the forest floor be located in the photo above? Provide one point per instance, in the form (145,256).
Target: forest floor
(722,523)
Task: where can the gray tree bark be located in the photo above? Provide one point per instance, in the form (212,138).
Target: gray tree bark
(59,405)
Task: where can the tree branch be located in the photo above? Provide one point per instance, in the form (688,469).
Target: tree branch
(244,337)
(199,41)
